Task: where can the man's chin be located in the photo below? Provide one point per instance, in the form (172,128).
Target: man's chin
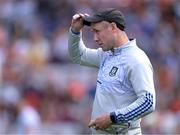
(104,49)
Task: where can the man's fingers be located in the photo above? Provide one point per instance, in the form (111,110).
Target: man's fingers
(86,14)
(82,15)
(76,16)
(92,123)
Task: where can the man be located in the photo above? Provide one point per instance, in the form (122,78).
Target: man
(125,89)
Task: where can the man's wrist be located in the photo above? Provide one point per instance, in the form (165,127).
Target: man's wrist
(74,31)
(113,117)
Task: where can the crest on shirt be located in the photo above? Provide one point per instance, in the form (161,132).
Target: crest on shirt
(113,71)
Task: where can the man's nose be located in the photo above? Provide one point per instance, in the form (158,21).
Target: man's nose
(95,37)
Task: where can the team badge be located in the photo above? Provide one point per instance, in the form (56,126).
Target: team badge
(113,71)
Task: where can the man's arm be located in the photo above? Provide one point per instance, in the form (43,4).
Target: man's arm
(79,54)
(141,77)
(77,51)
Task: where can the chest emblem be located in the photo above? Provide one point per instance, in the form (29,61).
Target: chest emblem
(113,71)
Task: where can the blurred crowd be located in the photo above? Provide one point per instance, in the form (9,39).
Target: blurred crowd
(42,92)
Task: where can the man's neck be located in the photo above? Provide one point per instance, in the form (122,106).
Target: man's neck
(121,39)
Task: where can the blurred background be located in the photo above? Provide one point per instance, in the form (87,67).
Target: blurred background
(42,92)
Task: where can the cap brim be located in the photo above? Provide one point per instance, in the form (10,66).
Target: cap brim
(91,19)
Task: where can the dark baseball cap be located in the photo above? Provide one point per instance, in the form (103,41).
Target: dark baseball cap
(109,15)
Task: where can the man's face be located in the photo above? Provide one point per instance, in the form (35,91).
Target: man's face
(103,35)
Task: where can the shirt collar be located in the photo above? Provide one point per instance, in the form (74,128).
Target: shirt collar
(132,42)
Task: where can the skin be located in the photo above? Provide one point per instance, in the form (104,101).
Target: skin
(101,36)
(107,36)
(101,122)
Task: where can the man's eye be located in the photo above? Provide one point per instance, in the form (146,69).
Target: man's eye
(97,31)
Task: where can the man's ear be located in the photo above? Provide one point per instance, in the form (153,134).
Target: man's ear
(114,26)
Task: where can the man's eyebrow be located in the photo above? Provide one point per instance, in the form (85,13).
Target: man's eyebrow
(94,29)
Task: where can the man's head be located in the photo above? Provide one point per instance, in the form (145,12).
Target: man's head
(106,25)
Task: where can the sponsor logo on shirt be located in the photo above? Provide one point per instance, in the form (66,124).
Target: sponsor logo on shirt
(113,71)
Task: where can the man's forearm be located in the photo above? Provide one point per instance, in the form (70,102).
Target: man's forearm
(141,107)
(78,52)
(73,46)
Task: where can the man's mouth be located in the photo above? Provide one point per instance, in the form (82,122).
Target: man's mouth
(100,44)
